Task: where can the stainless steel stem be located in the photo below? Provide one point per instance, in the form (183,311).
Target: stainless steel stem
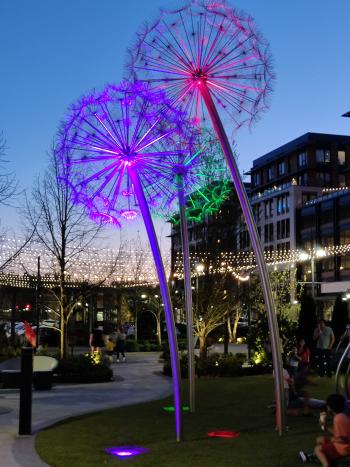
(188,294)
(255,240)
(169,316)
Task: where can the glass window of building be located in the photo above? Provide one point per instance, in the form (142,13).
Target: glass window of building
(323,178)
(307,196)
(281,168)
(341,180)
(341,157)
(344,208)
(270,173)
(323,156)
(302,159)
(303,179)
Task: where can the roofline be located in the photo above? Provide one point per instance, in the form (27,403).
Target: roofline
(293,145)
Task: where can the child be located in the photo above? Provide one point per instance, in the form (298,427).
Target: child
(110,349)
(328,450)
(293,362)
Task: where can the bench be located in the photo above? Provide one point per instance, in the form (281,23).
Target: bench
(43,372)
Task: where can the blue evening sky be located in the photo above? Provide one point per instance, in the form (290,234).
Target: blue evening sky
(52,51)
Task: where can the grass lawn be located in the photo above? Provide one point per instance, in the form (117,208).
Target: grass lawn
(237,404)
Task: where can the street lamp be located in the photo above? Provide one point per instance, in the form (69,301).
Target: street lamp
(315,253)
(199,270)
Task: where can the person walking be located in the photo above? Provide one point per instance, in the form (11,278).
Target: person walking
(121,344)
(324,337)
(96,339)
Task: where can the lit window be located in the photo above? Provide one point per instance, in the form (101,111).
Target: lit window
(323,156)
(341,157)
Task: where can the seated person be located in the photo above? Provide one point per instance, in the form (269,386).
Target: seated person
(328,450)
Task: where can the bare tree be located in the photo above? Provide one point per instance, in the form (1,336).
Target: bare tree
(65,234)
(8,183)
(8,192)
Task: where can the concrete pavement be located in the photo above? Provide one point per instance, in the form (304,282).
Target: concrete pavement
(137,380)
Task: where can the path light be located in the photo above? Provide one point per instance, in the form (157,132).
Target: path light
(127,451)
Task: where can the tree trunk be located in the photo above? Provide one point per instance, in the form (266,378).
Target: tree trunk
(63,338)
(202,346)
(159,336)
(229,329)
(235,326)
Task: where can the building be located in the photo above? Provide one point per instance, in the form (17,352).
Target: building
(322,223)
(290,176)
(213,234)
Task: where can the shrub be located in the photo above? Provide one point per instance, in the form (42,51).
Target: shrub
(83,369)
(221,365)
(7,352)
(131,345)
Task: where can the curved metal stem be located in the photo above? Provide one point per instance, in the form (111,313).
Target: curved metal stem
(255,240)
(188,294)
(169,317)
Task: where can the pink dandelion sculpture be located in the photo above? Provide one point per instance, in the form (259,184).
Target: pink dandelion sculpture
(210,60)
(114,145)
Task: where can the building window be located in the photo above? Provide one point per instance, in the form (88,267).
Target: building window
(268,233)
(341,180)
(281,168)
(268,206)
(256,212)
(323,156)
(303,179)
(341,157)
(344,237)
(283,229)
(323,178)
(256,179)
(305,196)
(283,204)
(270,173)
(302,159)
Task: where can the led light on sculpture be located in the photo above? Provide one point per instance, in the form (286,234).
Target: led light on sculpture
(114,149)
(209,58)
(101,140)
(208,43)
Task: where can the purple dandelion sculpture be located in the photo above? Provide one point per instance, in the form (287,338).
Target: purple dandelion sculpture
(208,58)
(113,146)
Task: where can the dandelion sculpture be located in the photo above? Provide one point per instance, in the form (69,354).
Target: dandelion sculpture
(113,145)
(208,57)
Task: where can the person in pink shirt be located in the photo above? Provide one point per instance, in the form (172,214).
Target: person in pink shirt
(327,449)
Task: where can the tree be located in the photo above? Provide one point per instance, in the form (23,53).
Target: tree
(307,318)
(8,192)
(8,183)
(340,317)
(65,233)
(212,303)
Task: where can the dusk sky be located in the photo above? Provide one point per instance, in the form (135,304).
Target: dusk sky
(53,51)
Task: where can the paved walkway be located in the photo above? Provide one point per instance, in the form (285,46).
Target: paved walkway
(139,383)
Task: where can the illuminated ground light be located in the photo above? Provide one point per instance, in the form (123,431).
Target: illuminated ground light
(126,451)
(223,434)
(171,408)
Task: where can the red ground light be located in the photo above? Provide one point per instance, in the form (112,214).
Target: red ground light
(223,434)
